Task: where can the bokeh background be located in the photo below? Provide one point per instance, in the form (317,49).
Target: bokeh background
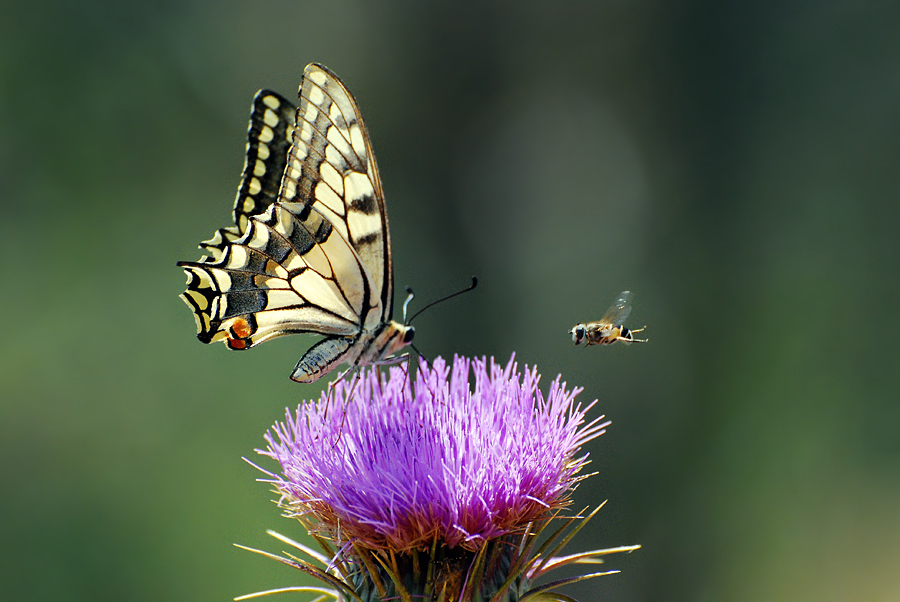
(734,164)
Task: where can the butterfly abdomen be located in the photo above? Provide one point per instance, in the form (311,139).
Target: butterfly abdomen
(365,349)
(322,358)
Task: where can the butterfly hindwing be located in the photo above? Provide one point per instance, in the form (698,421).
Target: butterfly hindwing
(268,141)
(277,279)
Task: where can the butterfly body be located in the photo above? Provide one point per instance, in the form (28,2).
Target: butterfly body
(368,348)
(310,249)
(610,328)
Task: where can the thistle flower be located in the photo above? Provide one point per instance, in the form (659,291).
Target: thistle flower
(436,490)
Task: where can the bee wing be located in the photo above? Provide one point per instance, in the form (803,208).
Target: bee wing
(618,311)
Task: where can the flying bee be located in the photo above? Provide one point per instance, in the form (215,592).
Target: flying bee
(610,328)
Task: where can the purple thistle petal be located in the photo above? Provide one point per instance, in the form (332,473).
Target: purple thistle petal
(390,465)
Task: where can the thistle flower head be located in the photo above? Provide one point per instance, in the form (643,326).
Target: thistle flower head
(453,469)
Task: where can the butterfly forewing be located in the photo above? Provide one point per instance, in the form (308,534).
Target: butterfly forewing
(331,166)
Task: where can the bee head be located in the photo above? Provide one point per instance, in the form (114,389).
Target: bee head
(577,332)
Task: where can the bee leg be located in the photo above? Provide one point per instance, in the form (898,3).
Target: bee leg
(641,329)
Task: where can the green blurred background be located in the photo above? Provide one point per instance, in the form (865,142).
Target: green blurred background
(734,164)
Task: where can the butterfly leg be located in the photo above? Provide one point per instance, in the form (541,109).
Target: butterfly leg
(352,389)
(341,375)
(390,361)
(397,359)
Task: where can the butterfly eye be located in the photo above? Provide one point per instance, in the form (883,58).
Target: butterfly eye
(408,337)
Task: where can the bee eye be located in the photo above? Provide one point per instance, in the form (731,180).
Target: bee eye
(577,333)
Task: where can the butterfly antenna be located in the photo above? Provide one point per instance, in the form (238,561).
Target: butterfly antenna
(465,290)
(406,304)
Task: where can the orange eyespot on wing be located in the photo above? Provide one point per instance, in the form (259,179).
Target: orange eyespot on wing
(237,344)
(241,328)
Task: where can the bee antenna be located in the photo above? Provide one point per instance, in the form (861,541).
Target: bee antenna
(441,300)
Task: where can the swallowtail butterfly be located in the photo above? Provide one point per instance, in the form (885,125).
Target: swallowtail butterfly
(608,329)
(310,250)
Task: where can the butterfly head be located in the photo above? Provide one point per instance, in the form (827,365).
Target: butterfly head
(392,338)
